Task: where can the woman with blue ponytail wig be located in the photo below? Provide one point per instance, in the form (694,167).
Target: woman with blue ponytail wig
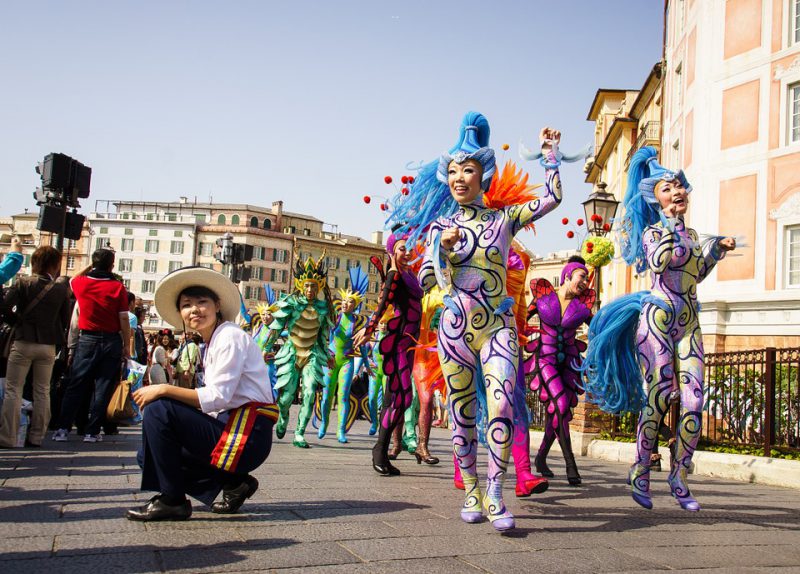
(477,330)
(646,349)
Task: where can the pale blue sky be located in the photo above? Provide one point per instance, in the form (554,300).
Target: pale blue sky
(312,102)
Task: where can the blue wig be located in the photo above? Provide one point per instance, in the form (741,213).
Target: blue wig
(612,377)
(641,206)
(429,196)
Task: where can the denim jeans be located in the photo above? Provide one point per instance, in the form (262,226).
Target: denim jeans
(98,362)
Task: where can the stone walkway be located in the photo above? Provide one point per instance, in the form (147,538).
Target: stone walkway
(325,510)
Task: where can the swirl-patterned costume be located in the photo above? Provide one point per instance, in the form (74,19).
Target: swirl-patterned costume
(477,327)
(555,355)
(663,327)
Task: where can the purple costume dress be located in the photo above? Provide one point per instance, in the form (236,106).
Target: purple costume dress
(403,292)
(555,356)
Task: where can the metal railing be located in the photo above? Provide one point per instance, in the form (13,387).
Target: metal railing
(650,134)
(750,398)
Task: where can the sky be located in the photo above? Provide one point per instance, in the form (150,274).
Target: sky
(309,101)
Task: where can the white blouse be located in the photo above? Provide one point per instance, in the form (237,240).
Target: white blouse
(235,372)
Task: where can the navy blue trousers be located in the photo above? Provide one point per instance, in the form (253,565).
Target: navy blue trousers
(177,442)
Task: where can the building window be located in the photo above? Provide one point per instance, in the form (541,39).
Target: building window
(171,216)
(272,275)
(128,231)
(257,273)
(100,242)
(556,281)
(221,219)
(70,262)
(794,112)
(148,286)
(176,247)
(178,233)
(71,244)
(794,22)
(153,233)
(306,231)
(150,216)
(235,219)
(254,221)
(174,265)
(127,245)
(200,218)
(151,246)
(150,266)
(267,223)
(125,265)
(281,256)
(127,284)
(206,249)
(793,256)
(104,230)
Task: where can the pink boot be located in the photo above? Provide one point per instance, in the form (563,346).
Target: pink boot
(527,482)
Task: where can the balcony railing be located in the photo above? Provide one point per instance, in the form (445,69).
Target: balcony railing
(650,134)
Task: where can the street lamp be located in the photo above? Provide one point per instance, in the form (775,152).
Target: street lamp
(600,208)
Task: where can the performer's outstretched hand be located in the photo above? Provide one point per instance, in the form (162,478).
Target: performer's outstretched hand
(450,237)
(360,338)
(727,244)
(549,136)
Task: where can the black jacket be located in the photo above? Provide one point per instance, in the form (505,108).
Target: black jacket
(48,320)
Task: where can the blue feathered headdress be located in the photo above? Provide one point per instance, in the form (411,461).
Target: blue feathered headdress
(641,206)
(473,144)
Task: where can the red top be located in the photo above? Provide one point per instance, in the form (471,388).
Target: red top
(100,301)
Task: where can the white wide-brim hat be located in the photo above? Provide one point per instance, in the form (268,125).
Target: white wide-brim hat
(171,286)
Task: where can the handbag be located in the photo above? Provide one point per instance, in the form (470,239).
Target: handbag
(120,407)
(7,329)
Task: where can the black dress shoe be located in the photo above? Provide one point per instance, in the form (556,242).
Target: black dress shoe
(385,469)
(233,498)
(158,510)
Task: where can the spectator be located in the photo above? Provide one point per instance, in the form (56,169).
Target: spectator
(104,342)
(188,357)
(12,262)
(139,341)
(42,311)
(159,360)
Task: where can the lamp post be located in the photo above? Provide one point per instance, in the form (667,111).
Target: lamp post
(600,208)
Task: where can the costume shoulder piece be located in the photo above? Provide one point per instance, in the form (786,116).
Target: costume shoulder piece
(588,298)
(541,287)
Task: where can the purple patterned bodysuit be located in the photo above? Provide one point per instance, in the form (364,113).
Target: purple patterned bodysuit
(476,336)
(403,292)
(670,347)
(555,356)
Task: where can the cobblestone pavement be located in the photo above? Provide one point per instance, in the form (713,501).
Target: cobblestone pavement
(326,510)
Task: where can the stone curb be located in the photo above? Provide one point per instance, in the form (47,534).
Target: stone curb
(745,468)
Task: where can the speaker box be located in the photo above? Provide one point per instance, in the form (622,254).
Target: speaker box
(52,218)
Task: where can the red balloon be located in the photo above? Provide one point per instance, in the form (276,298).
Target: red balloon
(404,191)
(606,227)
(383,207)
(367,199)
(589,250)
(589,245)
(579,222)
(410,179)
(404,179)
(570,234)
(388,179)
(565,221)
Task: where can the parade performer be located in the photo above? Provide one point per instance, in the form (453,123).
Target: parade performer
(659,327)
(203,441)
(377,379)
(555,357)
(477,330)
(401,289)
(307,319)
(341,347)
(259,327)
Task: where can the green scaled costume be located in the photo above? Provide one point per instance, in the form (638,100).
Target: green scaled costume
(305,353)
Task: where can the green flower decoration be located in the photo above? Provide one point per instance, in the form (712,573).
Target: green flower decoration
(602,251)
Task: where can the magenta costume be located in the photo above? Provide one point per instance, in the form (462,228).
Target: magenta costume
(477,327)
(403,292)
(556,355)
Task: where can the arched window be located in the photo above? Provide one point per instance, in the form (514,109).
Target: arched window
(267,223)
(221,219)
(254,221)
(235,219)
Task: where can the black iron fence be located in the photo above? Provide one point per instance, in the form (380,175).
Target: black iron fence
(751,398)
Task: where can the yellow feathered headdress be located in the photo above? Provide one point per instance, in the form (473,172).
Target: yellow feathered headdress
(314,271)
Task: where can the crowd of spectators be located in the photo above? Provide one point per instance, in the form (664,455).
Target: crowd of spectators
(68,347)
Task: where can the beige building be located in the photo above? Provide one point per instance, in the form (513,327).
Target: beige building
(625,121)
(732,121)
(75,252)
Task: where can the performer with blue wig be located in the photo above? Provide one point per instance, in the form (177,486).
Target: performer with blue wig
(477,330)
(646,349)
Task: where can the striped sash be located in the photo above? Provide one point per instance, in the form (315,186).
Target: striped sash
(228,450)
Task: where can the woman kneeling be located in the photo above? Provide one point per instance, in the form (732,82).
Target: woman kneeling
(202,452)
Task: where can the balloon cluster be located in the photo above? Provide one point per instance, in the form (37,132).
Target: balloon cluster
(406,180)
(571,233)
